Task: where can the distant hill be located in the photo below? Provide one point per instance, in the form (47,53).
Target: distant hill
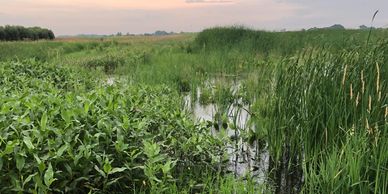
(363,27)
(334,27)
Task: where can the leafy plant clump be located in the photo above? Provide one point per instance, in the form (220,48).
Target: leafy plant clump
(109,62)
(106,139)
(33,76)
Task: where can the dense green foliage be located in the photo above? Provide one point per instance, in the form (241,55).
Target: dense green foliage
(59,136)
(46,50)
(13,33)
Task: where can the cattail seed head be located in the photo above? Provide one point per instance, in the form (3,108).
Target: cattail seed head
(370,104)
(367,125)
(351,91)
(344,76)
(357,98)
(362,81)
(378,82)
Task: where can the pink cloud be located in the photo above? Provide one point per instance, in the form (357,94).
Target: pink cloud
(136,16)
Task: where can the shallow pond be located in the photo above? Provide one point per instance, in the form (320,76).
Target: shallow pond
(245,159)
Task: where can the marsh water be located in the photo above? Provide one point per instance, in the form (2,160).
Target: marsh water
(245,159)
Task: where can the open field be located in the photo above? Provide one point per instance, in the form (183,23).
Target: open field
(227,110)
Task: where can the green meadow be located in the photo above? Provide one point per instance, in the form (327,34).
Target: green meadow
(226,110)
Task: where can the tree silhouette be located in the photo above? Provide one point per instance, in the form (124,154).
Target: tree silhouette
(15,33)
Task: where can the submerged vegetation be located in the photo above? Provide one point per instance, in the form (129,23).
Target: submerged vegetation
(228,110)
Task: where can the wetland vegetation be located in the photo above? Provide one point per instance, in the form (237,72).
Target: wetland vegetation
(226,110)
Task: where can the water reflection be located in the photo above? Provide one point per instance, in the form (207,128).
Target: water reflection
(245,159)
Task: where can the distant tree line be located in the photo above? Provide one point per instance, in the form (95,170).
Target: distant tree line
(14,33)
(159,33)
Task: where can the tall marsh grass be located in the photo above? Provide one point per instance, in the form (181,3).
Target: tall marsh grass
(329,120)
(281,43)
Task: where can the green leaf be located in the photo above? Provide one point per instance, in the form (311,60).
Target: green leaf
(28,179)
(43,121)
(156,179)
(157,159)
(37,158)
(66,116)
(86,108)
(101,124)
(116,170)
(41,167)
(48,176)
(61,150)
(199,148)
(113,181)
(166,168)
(107,167)
(27,141)
(125,122)
(1,163)
(100,171)
(20,161)
(10,147)
(151,149)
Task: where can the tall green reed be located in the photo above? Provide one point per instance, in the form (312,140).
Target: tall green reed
(322,104)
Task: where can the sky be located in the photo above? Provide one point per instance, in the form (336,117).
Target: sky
(72,17)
